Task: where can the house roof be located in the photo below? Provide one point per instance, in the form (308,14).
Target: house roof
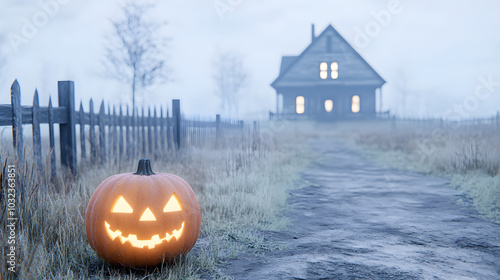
(329,46)
(286,62)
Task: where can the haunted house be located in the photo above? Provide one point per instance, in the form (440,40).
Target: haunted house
(329,80)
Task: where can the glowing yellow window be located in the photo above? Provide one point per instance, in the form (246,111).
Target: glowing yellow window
(355,104)
(299,104)
(323,70)
(328,105)
(335,70)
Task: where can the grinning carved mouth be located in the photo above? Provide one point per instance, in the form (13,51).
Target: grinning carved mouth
(151,243)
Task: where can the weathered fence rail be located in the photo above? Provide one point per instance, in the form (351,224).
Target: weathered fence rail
(112,135)
(463,123)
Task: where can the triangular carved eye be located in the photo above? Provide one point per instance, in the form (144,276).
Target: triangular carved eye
(173,205)
(122,206)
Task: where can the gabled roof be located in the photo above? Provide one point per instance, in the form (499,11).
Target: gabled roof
(286,62)
(329,46)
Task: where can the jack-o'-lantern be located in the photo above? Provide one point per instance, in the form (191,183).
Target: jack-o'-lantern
(140,219)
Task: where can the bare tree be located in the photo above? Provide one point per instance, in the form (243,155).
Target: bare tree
(135,51)
(230,77)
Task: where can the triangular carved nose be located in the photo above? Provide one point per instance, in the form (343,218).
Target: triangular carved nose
(147,216)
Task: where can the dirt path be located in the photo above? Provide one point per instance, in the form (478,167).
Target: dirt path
(353,223)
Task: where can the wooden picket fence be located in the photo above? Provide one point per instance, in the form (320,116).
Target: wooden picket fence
(121,134)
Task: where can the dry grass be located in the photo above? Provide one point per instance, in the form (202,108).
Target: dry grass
(241,188)
(468,155)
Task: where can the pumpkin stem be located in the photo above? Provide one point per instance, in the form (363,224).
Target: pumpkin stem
(144,167)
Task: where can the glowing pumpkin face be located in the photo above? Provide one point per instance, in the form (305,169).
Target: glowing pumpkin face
(122,206)
(139,219)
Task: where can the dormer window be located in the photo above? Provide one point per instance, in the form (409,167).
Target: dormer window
(334,70)
(323,70)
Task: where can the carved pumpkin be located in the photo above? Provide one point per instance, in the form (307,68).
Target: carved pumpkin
(139,219)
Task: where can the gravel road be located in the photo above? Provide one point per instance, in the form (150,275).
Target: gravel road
(358,220)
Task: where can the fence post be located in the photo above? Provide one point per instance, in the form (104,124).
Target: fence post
(109,133)
(162,130)
(139,135)
(255,144)
(497,120)
(242,126)
(169,131)
(176,115)
(149,124)
(143,132)
(102,133)
(134,135)
(185,124)
(53,166)
(115,136)
(120,140)
(155,131)
(83,150)
(67,134)
(93,147)
(17,121)
(128,145)
(217,127)
(37,139)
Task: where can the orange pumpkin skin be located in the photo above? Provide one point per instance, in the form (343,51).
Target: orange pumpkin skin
(110,233)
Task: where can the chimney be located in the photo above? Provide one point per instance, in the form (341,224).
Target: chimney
(312,33)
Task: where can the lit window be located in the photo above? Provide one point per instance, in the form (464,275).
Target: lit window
(299,107)
(323,70)
(328,105)
(335,70)
(355,104)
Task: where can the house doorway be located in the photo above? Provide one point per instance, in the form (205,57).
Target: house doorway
(328,105)
(327,109)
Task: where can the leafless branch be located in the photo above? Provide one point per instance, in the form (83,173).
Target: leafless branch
(135,51)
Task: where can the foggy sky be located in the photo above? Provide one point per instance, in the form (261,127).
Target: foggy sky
(432,54)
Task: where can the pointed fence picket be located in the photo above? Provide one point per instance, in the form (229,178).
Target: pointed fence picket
(37,137)
(51,121)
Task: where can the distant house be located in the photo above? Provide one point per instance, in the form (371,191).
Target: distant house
(328,80)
